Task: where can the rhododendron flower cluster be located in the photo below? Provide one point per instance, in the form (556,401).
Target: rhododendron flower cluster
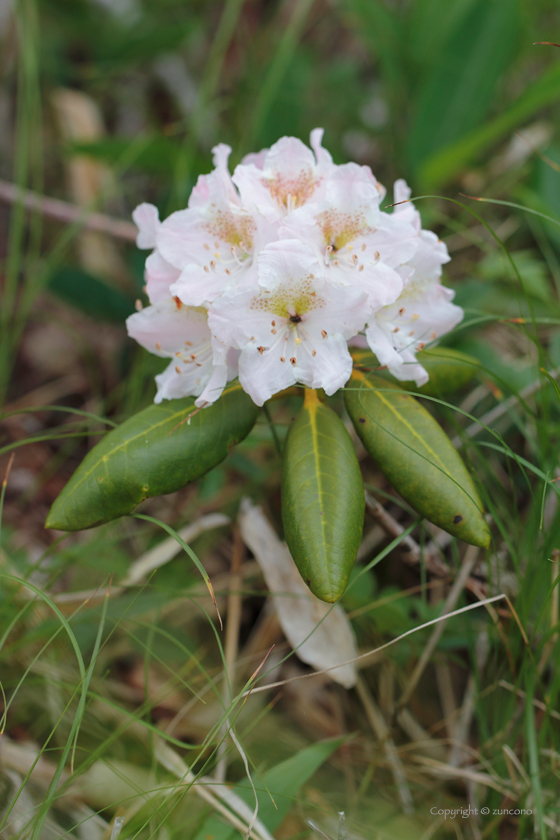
(270,273)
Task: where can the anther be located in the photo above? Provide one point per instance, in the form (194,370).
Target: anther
(228,271)
(158,345)
(396,329)
(207,246)
(138,306)
(361,268)
(193,356)
(261,350)
(324,333)
(188,343)
(293,360)
(273,323)
(421,345)
(313,352)
(273,331)
(282,359)
(401,310)
(178,353)
(363,246)
(206,268)
(178,302)
(376,255)
(212,264)
(177,368)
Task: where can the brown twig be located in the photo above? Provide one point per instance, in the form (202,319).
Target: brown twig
(63,211)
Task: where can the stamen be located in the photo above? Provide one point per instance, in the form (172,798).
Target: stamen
(313,352)
(282,359)
(193,356)
(421,345)
(158,345)
(188,343)
(273,323)
(293,360)
(273,331)
(261,350)
(212,264)
(207,246)
(206,268)
(178,369)
(363,246)
(376,255)
(228,271)
(297,340)
(324,333)
(401,310)
(396,329)
(178,302)
(178,353)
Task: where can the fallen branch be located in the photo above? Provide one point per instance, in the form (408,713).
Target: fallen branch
(63,211)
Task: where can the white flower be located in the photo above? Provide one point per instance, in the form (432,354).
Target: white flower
(423,312)
(159,274)
(213,242)
(294,329)
(358,244)
(285,176)
(180,333)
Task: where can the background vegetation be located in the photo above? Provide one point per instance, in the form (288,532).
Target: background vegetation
(107,699)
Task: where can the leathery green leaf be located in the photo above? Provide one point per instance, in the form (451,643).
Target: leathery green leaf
(322,499)
(448,369)
(416,455)
(156,451)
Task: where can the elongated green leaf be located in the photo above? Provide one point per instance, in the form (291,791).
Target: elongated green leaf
(152,453)
(448,369)
(322,499)
(446,163)
(416,455)
(282,783)
(462,84)
(94,297)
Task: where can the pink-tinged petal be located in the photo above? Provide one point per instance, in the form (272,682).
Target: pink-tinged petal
(380,341)
(406,210)
(167,328)
(289,177)
(255,159)
(286,261)
(262,374)
(146,219)
(323,157)
(196,287)
(159,276)
(351,188)
(190,381)
(214,387)
(329,368)
(197,237)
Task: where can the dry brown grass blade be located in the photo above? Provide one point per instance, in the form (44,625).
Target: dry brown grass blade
(371,654)
(454,595)
(382,732)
